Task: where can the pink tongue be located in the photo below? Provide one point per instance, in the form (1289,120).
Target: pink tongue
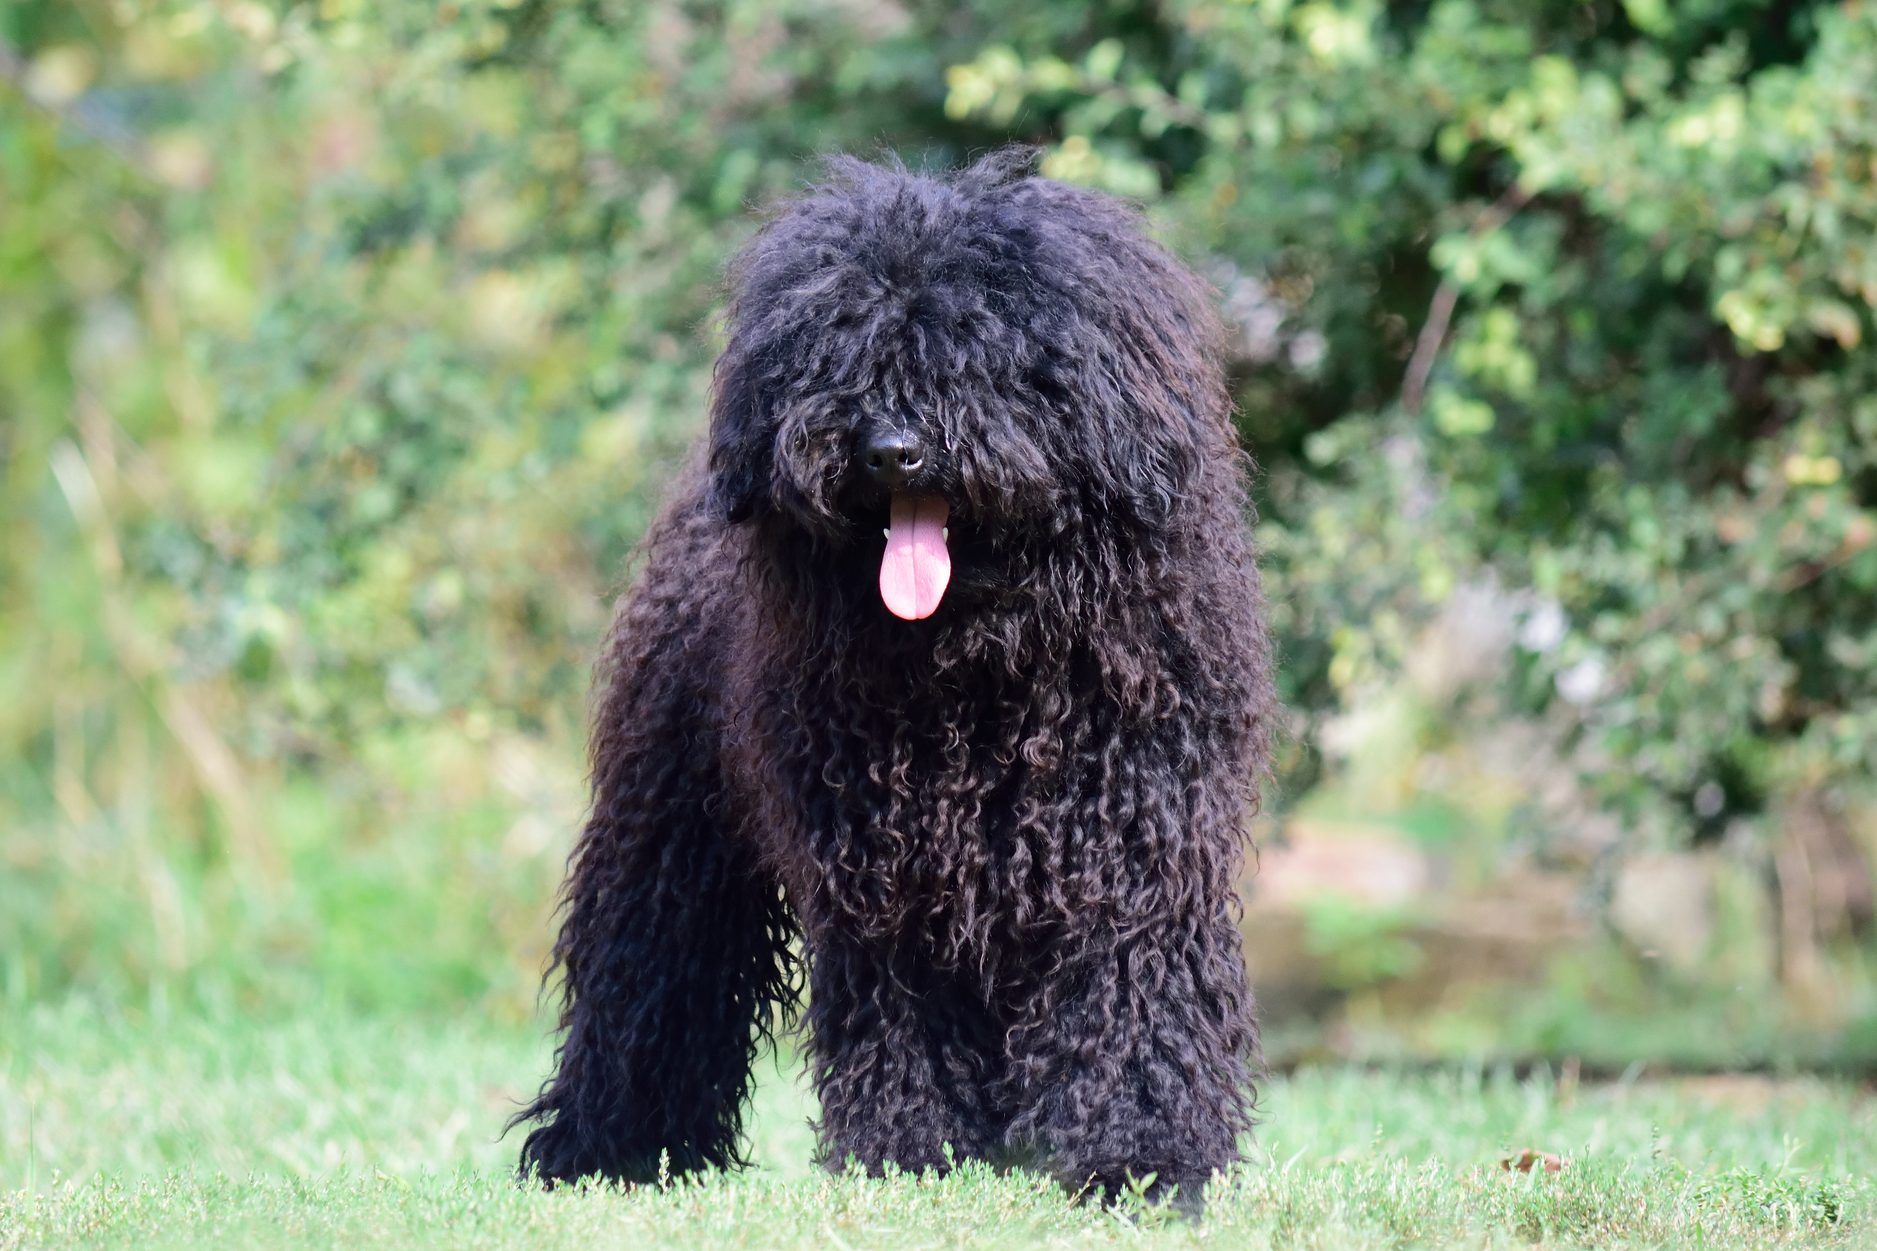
(916,567)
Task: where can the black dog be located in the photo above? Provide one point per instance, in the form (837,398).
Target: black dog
(988,772)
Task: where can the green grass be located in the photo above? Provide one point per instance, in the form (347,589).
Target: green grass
(208,1128)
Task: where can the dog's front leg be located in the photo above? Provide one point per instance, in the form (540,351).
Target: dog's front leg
(1134,1065)
(674,945)
(900,1056)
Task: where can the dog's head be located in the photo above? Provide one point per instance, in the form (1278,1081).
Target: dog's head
(945,374)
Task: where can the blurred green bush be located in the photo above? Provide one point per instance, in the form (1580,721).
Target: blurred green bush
(344,346)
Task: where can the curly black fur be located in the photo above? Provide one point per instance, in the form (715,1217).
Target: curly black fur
(1007,836)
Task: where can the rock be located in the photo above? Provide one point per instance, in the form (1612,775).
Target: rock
(1663,904)
(1376,868)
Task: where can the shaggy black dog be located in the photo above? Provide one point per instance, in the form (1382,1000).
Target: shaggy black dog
(948,671)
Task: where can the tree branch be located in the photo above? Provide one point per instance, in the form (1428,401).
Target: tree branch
(83,118)
(1446,297)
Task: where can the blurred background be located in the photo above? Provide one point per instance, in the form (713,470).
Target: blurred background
(345,348)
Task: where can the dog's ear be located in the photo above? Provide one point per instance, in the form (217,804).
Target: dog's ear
(1152,454)
(740,454)
(1140,363)
(1161,403)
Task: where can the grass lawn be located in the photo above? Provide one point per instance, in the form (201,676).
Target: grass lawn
(325,1129)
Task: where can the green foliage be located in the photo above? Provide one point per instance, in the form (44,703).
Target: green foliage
(346,349)
(1653,407)
(1360,946)
(346,345)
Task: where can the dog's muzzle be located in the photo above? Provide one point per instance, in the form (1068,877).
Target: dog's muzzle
(916,566)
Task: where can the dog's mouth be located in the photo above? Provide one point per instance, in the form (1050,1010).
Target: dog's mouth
(917,564)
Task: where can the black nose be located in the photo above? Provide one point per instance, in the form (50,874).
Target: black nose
(892,457)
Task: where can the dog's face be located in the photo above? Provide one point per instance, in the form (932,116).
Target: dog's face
(947,375)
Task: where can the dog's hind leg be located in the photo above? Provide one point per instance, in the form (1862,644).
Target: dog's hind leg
(674,947)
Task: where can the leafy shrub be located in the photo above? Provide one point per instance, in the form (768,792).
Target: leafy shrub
(346,346)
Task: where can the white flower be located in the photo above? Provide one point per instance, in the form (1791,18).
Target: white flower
(1543,627)
(1307,351)
(1582,682)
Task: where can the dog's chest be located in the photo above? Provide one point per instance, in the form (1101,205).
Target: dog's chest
(947,821)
